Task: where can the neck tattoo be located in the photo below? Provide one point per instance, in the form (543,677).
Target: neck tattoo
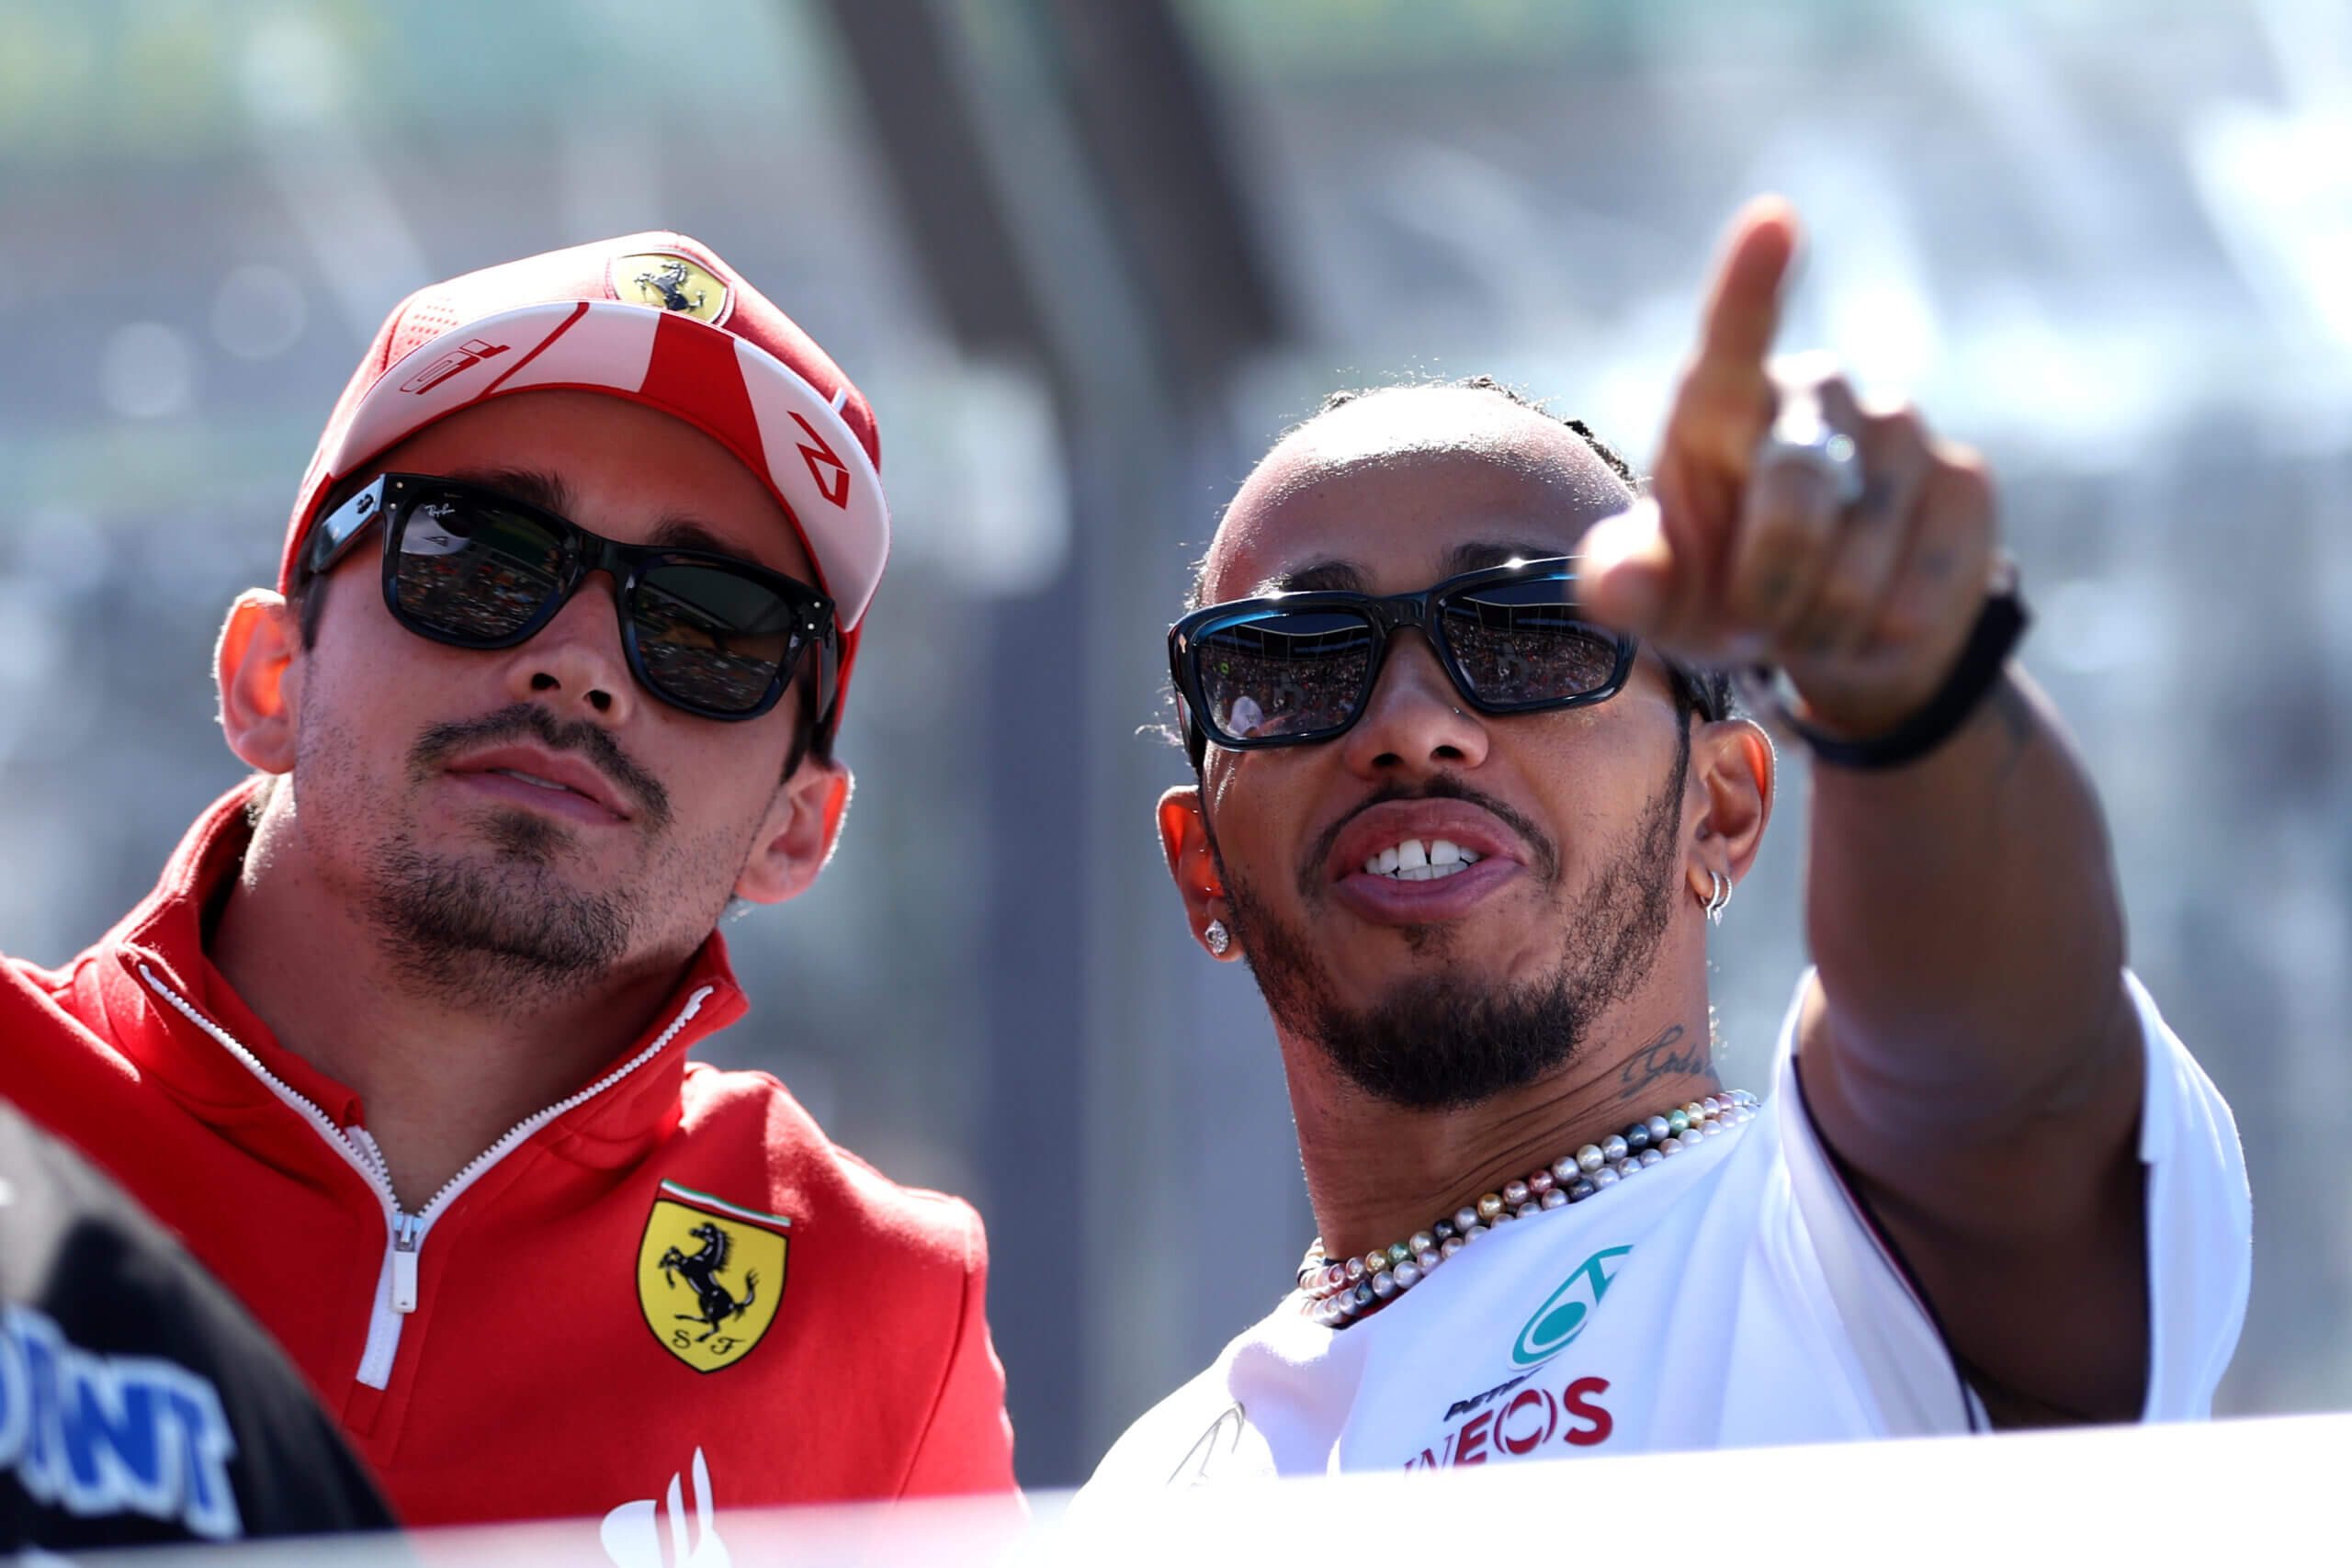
(1335,1294)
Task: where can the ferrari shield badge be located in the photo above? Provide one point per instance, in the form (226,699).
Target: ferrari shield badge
(671,282)
(709,1275)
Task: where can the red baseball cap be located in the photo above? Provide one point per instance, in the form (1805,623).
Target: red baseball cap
(656,318)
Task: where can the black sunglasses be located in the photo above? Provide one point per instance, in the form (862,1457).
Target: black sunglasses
(470,567)
(1299,668)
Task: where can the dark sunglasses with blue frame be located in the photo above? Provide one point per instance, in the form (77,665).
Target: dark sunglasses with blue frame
(474,568)
(1294,669)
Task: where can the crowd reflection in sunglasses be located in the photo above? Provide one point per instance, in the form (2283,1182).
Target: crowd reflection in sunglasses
(695,658)
(691,654)
(1255,694)
(471,595)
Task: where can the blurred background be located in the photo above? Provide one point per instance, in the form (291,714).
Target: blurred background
(1087,259)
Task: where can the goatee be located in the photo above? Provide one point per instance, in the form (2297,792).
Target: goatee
(497,936)
(1441,1041)
(505,931)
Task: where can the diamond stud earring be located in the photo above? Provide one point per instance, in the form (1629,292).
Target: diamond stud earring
(1217,937)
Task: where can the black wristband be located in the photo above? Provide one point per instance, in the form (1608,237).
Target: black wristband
(1999,627)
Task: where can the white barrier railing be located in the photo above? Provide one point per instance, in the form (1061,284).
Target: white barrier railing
(2207,1494)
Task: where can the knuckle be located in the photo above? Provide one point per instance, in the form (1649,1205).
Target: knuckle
(1790,504)
(1843,600)
(1965,478)
(1899,434)
(1770,585)
(1902,621)
(1775,536)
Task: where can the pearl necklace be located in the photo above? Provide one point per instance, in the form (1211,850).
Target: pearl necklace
(1335,1294)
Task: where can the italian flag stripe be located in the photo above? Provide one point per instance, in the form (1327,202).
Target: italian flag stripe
(720,1205)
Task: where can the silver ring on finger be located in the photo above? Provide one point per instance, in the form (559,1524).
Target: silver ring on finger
(1802,435)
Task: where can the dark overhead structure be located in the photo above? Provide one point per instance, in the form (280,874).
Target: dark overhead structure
(1146,116)
(1135,100)
(924,110)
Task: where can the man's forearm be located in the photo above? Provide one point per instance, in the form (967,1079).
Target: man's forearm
(1964,917)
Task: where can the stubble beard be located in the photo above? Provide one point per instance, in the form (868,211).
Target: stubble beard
(1441,1040)
(501,933)
(500,929)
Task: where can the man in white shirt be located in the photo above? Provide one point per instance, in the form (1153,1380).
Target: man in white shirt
(1987,1186)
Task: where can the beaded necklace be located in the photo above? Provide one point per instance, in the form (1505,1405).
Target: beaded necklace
(1335,1294)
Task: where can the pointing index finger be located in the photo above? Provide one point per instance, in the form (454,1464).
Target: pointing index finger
(1743,312)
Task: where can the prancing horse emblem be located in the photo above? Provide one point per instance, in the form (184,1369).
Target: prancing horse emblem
(717,1304)
(709,1275)
(670,284)
(667,281)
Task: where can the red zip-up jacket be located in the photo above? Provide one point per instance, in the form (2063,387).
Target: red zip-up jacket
(672,1274)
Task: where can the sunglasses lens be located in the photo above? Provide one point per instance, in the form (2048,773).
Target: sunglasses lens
(1521,644)
(710,637)
(1277,675)
(474,573)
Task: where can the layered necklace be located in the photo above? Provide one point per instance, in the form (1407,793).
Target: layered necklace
(1335,1294)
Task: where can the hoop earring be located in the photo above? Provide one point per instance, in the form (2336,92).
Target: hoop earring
(1217,937)
(1722,897)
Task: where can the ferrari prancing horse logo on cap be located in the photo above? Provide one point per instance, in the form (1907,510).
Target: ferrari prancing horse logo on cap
(709,1275)
(671,282)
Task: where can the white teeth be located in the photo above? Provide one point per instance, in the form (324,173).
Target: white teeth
(1414,860)
(534,779)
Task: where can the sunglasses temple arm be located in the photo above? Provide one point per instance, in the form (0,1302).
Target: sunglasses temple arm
(333,535)
(1196,738)
(827,678)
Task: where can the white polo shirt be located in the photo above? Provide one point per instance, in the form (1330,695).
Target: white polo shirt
(1730,1296)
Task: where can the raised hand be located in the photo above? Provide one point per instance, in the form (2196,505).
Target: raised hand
(1738,557)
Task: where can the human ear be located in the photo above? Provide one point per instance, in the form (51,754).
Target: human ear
(798,835)
(257,666)
(1729,801)
(1184,837)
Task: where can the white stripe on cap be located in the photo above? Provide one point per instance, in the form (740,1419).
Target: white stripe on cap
(438,378)
(606,347)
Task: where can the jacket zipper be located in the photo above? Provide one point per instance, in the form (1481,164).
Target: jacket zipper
(396,1284)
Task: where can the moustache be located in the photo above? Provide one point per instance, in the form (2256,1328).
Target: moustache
(529,721)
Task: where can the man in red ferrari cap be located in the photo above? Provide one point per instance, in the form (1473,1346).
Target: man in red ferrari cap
(571,593)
